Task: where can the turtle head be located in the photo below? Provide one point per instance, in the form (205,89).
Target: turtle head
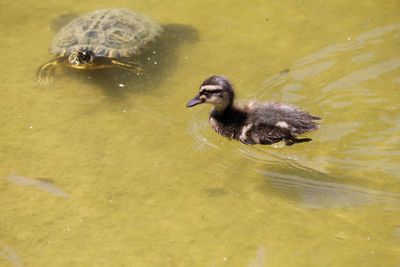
(81,58)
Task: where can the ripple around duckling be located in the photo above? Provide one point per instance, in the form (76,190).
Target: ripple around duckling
(204,137)
(205,142)
(350,85)
(358,140)
(199,129)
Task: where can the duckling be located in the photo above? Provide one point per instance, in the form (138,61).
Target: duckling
(254,123)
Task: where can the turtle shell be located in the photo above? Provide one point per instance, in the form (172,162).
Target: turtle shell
(110,33)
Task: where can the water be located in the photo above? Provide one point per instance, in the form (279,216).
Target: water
(103,169)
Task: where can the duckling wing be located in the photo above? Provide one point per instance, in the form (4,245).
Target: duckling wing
(282,120)
(266,134)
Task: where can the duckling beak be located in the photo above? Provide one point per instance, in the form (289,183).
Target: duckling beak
(195,101)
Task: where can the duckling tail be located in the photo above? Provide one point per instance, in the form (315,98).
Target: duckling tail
(316,117)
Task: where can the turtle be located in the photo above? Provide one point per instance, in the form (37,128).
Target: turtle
(109,38)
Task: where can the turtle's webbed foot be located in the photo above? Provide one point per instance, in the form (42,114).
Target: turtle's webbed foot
(129,65)
(44,79)
(45,73)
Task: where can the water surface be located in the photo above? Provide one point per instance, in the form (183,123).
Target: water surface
(106,169)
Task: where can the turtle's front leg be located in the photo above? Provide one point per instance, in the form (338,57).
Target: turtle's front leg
(46,72)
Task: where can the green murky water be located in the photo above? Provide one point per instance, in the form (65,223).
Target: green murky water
(112,170)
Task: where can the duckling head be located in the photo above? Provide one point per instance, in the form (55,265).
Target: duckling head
(215,90)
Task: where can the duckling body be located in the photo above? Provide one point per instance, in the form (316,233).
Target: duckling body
(253,123)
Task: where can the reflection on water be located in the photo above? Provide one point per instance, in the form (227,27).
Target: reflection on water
(41,184)
(259,259)
(312,189)
(11,256)
(356,78)
(355,46)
